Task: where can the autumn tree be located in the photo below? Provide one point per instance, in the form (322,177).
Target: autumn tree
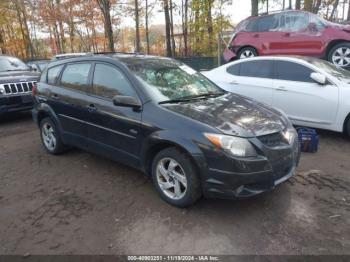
(105,6)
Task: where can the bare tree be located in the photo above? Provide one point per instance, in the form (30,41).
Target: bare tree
(105,6)
(185,25)
(335,6)
(137,25)
(255,7)
(173,46)
(167,28)
(146,25)
(298,4)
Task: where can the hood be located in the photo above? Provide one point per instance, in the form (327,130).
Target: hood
(18,76)
(233,115)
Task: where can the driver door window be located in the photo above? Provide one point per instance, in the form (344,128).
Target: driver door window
(108,82)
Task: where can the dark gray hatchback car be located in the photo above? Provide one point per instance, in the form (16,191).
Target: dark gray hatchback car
(162,117)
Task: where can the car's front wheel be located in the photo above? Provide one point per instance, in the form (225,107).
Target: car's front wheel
(50,138)
(247,52)
(176,178)
(339,55)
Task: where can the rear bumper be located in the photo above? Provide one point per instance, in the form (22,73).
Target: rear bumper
(248,177)
(16,103)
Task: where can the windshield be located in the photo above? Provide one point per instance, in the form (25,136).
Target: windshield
(341,74)
(8,63)
(168,80)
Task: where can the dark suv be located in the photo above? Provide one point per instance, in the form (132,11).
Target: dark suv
(16,83)
(162,117)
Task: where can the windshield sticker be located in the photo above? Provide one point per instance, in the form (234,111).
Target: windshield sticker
(188,70)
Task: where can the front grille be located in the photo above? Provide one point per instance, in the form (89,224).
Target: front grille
(17,88)
(273,140)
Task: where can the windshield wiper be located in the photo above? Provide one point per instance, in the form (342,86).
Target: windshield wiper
(191,98)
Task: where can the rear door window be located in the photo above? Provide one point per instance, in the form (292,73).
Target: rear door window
(291,71)
(257,68)
(233,70)
(75,76)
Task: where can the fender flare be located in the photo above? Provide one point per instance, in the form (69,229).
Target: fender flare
(165,138)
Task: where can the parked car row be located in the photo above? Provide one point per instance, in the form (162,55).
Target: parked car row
(291,33)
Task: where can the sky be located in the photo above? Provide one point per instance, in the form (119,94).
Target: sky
(239,10)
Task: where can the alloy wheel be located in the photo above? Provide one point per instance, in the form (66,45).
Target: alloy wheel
(341,57)
(48,135)
(171,178)
(247,54)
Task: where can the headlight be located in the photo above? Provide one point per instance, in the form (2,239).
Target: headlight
(2,90)
(290,135)
(236,146)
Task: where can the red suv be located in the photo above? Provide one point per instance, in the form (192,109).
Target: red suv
(291,33)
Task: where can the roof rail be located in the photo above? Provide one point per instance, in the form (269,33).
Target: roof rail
(277,11)
(69,55)
(117,52)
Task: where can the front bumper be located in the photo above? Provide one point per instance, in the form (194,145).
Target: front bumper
(229,55)
(14,103)
(228,177)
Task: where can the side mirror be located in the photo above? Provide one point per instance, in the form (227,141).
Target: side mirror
(319,78)
(127,101)
(33,68)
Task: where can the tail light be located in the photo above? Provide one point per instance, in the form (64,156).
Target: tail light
(34,89)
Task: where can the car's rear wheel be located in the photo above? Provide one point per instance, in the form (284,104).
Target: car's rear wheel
(175,177)
(50,137)
(247,52)
(339,55)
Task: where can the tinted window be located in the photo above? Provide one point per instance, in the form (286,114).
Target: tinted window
(251,26)
(294,22)
(76,76)
(109,82)
(262,68)
(268,23)
(233,70)
(293,72)
(53,74)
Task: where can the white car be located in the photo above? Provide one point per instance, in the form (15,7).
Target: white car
(312,92)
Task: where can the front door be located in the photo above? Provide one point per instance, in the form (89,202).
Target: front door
(113,130)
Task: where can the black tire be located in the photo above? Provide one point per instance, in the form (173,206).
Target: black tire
(248,49)
(345,45)
(59,146)
(193,191)
(347,127)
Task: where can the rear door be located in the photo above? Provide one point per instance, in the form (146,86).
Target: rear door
(67,98)
(250,78)
(301,98)
(113,130)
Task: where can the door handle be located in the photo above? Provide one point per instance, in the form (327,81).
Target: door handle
(281,88)
(256,35)
(91,108)
(287,34)
(55,96)
(233,83)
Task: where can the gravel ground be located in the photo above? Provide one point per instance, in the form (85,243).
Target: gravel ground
(79,203)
